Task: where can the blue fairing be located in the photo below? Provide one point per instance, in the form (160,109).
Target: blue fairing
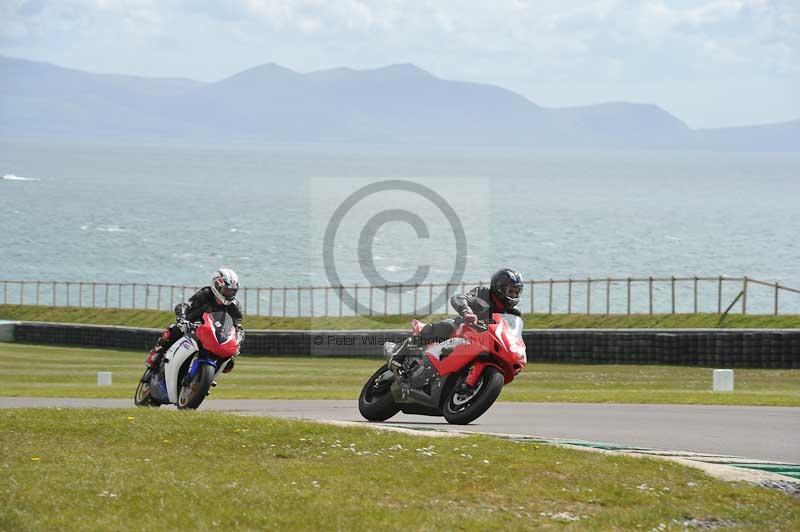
(158,388)
(196,365)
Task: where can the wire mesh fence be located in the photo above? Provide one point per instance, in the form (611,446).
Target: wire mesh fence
(629,295)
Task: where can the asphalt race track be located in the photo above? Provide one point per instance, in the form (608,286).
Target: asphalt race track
(765,433)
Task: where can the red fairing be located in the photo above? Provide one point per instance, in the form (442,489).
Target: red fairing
(505,350)
(207,336)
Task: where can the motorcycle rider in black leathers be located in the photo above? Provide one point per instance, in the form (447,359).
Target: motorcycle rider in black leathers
(501,296)
(220,295)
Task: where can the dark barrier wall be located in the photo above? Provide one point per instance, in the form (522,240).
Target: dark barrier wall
(765,348)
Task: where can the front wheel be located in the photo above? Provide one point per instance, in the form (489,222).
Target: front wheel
(376,402)
(465,404)
(192,392)
(142,396)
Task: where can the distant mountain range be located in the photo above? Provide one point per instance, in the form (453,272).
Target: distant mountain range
(397,104)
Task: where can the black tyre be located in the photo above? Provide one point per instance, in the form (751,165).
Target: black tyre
(376,402)
(142,396)
(192,392)
(464,405)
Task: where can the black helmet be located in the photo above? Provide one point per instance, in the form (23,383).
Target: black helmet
(506,286)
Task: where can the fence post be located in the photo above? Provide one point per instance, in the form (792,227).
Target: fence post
(550,299)
(569,297)
(532,307)
(146,295)
(673,294)
(744,295)
(299,303)
(133,295)
(629,296)
(284,302)
(385,300)
(105,296)
(21,292)
(414,309)
(777,288)
(312,301)
(719,295)
(158,298)
(54,293)
(371,290)
(326,302)
(37,293)
(80,294)
(171,295)
(270,301)
(5,292)
(355,297)
(695,294)
(608,296)
(119,295)
(588,295)
(400,299)
(650,292)
(430,299)
(68,290)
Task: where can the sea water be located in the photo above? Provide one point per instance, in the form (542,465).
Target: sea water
(173,213)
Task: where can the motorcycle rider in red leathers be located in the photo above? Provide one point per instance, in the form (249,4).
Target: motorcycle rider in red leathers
(220,295)
(501,296)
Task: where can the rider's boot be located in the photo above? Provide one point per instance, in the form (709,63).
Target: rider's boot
(154,357)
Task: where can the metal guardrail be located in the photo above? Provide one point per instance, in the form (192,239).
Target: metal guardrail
(629,295)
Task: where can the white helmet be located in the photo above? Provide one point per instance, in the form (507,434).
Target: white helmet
(225,284)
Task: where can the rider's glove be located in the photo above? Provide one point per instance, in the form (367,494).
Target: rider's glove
(239,340)
(470,318)
(183,325)
(180,311)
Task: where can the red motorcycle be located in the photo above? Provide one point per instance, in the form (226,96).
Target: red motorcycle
(459,378)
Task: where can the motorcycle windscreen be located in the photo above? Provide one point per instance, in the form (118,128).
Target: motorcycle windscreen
(223,326)
(514,324)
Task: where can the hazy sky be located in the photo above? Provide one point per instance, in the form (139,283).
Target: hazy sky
(711,63)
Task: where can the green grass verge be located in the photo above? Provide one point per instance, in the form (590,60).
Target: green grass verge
(167,470)
(159,319)
(47,371)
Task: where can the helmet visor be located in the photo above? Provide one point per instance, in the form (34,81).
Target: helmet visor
(511,291)
(228,293)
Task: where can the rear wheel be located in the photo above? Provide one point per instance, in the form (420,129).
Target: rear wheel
(376,402)
(192,392)
(142,396)
(465,404)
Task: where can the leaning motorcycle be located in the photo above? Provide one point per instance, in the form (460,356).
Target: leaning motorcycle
(459,378)
(192,364)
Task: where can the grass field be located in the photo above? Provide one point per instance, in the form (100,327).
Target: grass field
(159,319)
(47,371)
(168,470)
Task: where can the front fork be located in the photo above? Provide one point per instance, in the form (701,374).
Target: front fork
(476,370)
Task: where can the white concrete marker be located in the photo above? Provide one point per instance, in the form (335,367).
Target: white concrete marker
(723,380)
(104,378)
